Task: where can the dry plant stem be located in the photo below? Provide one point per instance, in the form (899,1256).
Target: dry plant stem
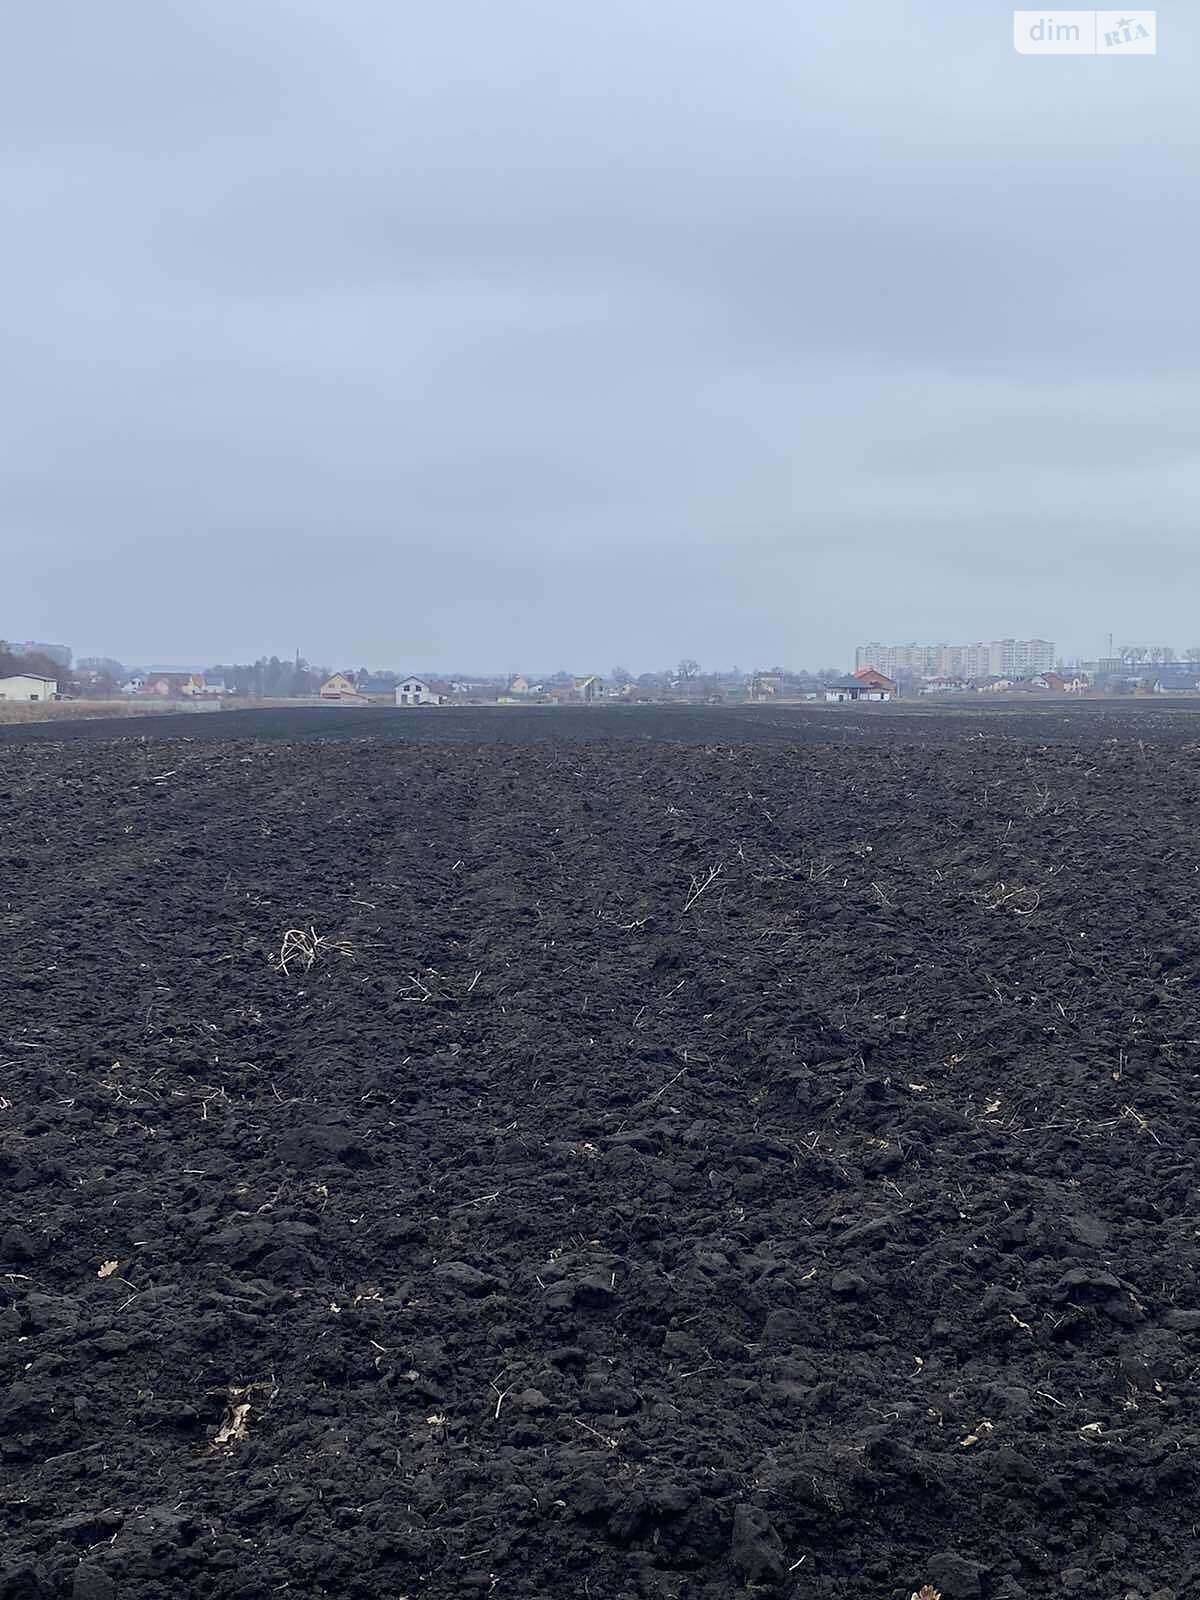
(501,1396)
(302,946)
(699,885)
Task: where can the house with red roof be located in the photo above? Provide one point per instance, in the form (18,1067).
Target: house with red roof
(871,679)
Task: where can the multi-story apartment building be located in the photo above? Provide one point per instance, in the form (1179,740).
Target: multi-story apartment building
(965,660)
(1021,658)
(900,660)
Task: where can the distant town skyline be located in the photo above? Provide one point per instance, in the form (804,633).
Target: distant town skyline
(1007,654)
(974,659)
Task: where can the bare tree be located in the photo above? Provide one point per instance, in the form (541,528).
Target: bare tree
(687,669)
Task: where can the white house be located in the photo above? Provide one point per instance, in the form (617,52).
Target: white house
(855,689)
(417,692)
(28,686)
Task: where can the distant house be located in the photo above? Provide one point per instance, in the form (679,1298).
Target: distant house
(588,689)
(1173,677)
(413,691)
(339,687)
(27,687)
(378,689)
(520,692)
(1061,682)
(1025,686)
(475,694)
(134,685)
(872,679)
(172,685)
(854,689)
(946,685)
(766,686)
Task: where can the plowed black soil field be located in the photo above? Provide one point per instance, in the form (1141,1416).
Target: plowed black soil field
(644,1169)
(1083,722)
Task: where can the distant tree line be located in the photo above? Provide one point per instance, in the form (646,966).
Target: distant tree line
(101,667)
(40,666)
(689,680)
(1158,655)
(270,678)
(102,677)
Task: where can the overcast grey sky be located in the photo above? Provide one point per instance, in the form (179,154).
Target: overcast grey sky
(532,333)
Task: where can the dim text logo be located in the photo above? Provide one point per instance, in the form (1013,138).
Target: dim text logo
(1085,33)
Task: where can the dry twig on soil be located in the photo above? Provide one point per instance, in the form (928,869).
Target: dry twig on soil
(1023,901)
(699,885)
(301,947)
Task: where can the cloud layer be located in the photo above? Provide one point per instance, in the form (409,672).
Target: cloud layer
(488,336)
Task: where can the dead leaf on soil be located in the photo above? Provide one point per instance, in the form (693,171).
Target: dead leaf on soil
(107,1268)
(991,1108)
(234,1427)
(928,1592)
(982,1429)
